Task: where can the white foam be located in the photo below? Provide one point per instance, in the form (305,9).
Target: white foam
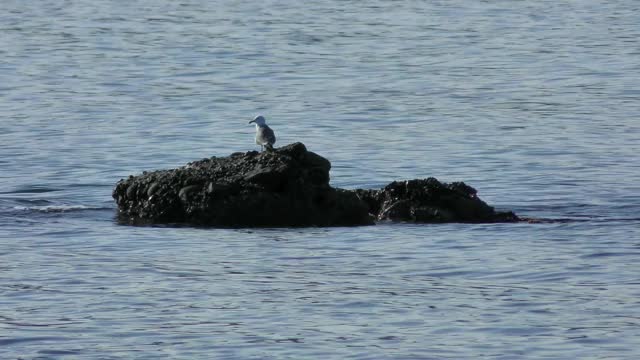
(57,208)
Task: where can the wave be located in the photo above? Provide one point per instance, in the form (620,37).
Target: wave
(58,208)
(31,189)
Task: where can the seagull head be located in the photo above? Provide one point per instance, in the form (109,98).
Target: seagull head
(259,120)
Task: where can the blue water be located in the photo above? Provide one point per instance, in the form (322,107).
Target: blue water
(534,103)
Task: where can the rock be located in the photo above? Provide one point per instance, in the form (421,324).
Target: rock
(430,201)
(286,187)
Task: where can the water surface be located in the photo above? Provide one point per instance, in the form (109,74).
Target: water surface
(535,104)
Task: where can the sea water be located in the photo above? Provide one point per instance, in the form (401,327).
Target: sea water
(534,103)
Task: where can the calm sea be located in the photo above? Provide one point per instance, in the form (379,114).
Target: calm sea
(534,103)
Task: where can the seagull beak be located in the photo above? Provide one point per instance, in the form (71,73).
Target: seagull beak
(251,121)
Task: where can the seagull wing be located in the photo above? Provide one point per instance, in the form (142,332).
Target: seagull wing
(268,135)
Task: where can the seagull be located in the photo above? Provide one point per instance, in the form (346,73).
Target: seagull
(264,135)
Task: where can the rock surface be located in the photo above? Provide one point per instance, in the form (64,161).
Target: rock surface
(430,201)
(287,187)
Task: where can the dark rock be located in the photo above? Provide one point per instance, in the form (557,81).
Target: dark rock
(430,201)
(288,186)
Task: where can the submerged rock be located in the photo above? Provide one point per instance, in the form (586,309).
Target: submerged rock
(287,187)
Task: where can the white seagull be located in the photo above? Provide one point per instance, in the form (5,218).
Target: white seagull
(264,135)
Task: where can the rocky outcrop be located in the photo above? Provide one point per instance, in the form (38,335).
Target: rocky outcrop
(430,201)
(287,187)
